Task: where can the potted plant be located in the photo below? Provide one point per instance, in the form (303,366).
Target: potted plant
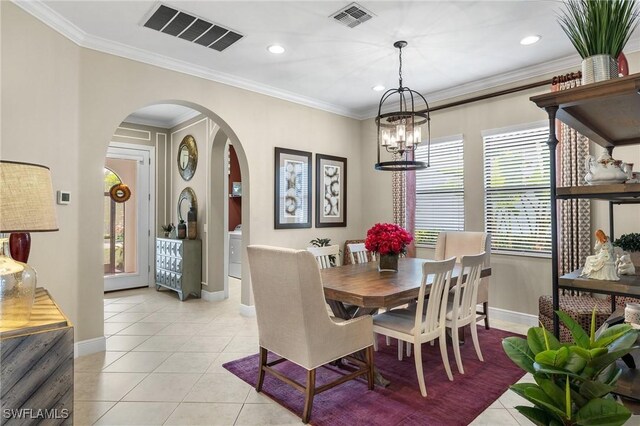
(167,229)
(599,30)
(573,382)
(389,241)
(631,244)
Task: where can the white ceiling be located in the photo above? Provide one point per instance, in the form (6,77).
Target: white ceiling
(455,47)
(165,116)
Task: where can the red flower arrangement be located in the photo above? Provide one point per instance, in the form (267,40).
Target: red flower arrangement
(387,238)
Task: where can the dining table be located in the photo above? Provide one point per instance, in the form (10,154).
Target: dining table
(361,289)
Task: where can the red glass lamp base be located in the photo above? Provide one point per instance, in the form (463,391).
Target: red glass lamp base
(20,246)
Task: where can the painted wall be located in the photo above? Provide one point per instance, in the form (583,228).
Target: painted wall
(235,203)
(517,281)
(84,95)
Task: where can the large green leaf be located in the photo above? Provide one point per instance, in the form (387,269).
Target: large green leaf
(591,389)
(602,412)
(537,416)
(543,401)
(553,358)
(550,370)
(553,391)
(575,363)
(609,375)
(612,333)
(518,350)
(600,363)
(536,340)
(626,341)
(579,335)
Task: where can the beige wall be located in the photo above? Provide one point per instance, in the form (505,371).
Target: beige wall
(517,281)
(83,96)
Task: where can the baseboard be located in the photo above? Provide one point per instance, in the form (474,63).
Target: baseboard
(247,310)
(212,296)
(512,316)
(91,346)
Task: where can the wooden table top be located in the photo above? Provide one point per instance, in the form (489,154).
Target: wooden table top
(363,285)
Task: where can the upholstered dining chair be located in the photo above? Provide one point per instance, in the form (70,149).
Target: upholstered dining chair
(461,309)
(427,322)
(323,255)
(463,244)
(358,253)
(294,324)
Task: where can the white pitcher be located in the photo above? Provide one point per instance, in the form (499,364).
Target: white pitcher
(604,170)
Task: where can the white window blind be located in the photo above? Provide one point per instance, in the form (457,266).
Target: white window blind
(440,190)
(517,197)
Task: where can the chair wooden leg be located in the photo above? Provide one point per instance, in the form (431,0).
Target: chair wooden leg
(400,342)
(456,348)
(444,354)
(370,368)
(474,337)
(309,393)
(263,362)
(485,308)
(417,356)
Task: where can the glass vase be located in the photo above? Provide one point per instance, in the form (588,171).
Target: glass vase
(388,262)
(17,291)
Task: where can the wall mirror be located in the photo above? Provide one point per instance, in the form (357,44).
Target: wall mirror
(185,201)
(187,157)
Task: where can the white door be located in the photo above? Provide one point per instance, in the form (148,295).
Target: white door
(127,235)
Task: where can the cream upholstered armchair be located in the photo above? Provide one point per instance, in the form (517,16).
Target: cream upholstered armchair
(465,244)
(293,321)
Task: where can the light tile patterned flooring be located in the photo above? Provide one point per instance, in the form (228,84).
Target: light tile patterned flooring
(163,365)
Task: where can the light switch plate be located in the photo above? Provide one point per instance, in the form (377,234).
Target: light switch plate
(64,197)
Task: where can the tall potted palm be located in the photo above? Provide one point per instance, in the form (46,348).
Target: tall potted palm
(599,30)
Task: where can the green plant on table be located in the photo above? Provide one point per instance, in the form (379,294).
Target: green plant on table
(599,27)
(573,382)
(628,242)
(324,242)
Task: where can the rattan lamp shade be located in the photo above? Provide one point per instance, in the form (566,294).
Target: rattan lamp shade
(26,198)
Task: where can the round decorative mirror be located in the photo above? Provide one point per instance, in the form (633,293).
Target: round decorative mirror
(120,193)
(187,157)
(185,201)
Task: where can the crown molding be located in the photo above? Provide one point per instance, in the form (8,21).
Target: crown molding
(44,13)
(52,19)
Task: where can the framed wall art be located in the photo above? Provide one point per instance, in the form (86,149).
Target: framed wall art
(292,189)
(331,191)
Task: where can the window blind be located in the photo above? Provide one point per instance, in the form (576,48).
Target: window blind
(439,190)
(517,196)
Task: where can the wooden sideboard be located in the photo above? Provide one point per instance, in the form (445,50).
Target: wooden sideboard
(36,367)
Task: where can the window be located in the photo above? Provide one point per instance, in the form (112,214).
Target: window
(516,185)
(113,246)
(440,190)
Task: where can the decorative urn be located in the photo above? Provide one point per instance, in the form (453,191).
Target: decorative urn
(604,170)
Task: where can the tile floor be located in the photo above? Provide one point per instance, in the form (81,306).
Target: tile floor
(163,365)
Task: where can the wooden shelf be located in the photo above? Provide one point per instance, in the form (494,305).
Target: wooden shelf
(614,192)
(629,285)
(607,112)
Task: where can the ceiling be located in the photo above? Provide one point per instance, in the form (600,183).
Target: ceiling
(455,47)
(165,116)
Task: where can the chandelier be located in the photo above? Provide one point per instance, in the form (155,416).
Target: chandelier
(400,131)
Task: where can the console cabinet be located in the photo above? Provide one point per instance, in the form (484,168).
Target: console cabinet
(179,266)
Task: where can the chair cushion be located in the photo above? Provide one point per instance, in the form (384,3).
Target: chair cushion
(401,320)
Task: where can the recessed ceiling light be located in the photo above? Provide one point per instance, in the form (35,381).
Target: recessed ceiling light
(530,40)
(276,49)
(378,88)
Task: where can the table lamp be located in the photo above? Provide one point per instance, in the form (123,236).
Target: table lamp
(26,205)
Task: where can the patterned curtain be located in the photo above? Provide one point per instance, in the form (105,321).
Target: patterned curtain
(403,190)
(574,215)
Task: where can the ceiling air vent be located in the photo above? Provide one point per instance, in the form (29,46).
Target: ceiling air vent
(352,15)
(190,28)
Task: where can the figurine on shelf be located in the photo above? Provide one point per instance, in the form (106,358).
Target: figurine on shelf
(604,170)
(601,265)
(624,265)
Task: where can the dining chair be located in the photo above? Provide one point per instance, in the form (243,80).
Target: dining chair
(294,324)
(468,243)
(359,253)
(461,310)
(425,324)
(323,255)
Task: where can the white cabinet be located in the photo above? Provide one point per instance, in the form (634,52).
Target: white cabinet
(235,254)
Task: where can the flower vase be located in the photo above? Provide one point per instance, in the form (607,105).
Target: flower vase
(388,262)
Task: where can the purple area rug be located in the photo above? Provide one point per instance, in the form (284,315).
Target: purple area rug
(351,403)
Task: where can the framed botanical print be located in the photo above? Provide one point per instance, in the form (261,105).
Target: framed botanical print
(331,191)
(292,189)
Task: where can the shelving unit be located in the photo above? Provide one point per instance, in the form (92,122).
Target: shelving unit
(608,113)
